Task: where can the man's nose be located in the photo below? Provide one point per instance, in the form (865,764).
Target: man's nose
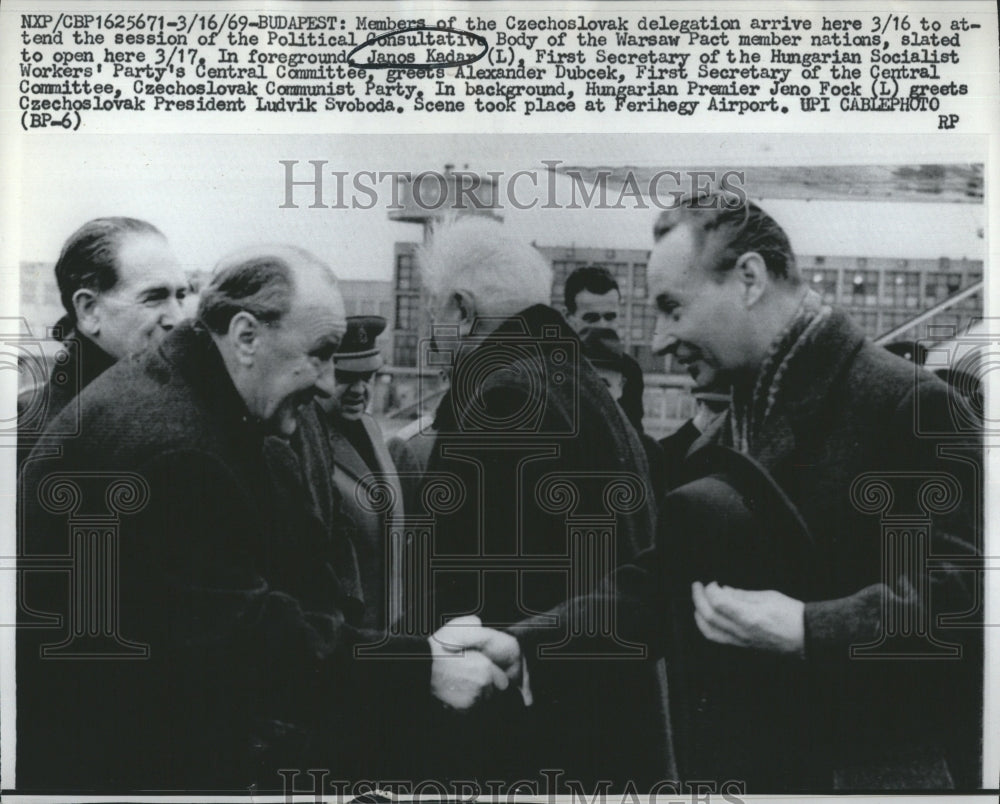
(172,314)
(663,337)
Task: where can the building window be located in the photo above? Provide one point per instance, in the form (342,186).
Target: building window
(894,319)
(405,350)
(639,281)
(824,282)
(863,288)
(868,321)
(939,286)
(902,289)
(405,279)
(406,309)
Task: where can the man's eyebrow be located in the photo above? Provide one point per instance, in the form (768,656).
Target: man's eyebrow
(164,290)
(326,341)
(156,290)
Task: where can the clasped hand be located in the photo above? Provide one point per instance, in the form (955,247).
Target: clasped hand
(470,663)
(762,620)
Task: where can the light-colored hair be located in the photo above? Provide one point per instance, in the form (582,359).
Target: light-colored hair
(478,255)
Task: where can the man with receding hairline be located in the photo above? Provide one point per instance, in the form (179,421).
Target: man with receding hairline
(803,577)
(236,604)
(123,290)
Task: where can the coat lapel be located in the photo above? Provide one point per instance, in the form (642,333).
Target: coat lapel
(385,466)
(348,461)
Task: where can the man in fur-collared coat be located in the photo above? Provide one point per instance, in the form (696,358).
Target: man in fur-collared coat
(190,619)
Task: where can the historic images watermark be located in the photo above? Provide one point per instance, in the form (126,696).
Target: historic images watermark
(318,184)
(551,782)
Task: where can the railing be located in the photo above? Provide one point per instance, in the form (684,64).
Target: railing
(940,307)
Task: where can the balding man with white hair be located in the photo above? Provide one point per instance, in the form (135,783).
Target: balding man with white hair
(531,419)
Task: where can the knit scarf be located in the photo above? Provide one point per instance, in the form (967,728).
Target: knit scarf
(750,411)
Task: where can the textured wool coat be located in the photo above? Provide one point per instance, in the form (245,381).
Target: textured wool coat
(878,458)
(545,459)
(244,601)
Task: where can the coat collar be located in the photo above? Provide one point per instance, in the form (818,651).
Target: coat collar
(347,457)
(192,353)
(806,385)
(351,464)
(532,321)
(85,359)
(810,376)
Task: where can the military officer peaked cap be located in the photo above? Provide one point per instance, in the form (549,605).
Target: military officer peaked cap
(357,351)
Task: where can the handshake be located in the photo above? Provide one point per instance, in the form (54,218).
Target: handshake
(471,662)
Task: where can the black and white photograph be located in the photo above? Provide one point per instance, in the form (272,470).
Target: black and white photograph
(497,465)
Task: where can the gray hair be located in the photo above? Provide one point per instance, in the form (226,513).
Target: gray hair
(478,255)
(260,281)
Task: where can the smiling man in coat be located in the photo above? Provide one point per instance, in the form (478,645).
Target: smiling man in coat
(818,601)
(189,617)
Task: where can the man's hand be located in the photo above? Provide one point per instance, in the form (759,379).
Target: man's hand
(470,662)
(766,620)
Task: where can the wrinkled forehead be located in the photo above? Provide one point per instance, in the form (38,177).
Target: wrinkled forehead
(145,258)
(317,308)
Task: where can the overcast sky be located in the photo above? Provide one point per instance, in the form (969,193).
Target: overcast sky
(210,194)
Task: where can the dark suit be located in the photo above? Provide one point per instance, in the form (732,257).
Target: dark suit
(540,450)
(243,597)
(833,721)
(632,391)
(362,489)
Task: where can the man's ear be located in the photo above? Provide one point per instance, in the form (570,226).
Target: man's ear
(465,303)
(88,319)
(751,271)
(245,331)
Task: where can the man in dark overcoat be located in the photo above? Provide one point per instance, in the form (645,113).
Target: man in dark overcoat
(554,492)
(196,620)
(842,649)
(363,474)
